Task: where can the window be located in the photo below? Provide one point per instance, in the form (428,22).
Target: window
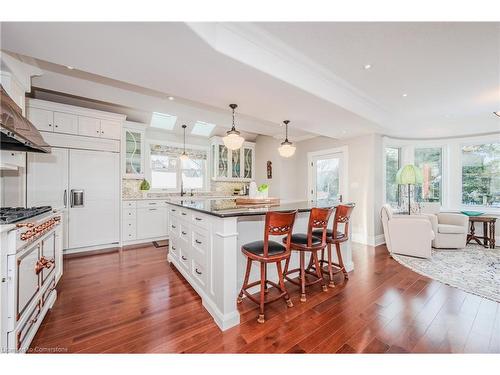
(429,160)
(203,129)
(481,174)
(163,121)
(392,165)
(192,173)
(168,172)
(163,172)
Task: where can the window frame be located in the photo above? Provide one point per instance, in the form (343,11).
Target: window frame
(148,169)
(400,163)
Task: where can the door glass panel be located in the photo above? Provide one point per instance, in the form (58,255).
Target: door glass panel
(223,162)
(133,152)
(247,155)
(236,163)
(327,177)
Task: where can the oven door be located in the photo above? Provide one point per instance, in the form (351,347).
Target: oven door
(24,281)
(48,252)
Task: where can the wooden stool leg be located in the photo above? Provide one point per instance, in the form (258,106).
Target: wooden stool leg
(330,266)
(341,262)
(262,292)
(302,277)
(318,270)
(245,281)
(266,290)
(287,263)
(282,285)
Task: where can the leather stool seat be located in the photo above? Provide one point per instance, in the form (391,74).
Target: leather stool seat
(301,239)
(319,233)
(257,248)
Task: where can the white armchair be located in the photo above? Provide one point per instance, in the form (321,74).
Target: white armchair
(450,228)
(407,234)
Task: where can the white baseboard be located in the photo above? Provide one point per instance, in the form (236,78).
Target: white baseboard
(368,240)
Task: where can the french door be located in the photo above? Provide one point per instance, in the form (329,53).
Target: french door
(326,179)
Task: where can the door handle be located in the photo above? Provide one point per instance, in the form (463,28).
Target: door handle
(65,198)
(77,198)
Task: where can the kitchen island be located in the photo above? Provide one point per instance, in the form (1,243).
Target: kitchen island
(205,246)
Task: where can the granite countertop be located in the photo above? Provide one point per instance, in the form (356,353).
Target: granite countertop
(229,208)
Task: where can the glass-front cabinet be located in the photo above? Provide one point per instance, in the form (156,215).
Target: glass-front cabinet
(232,165)
(133,150)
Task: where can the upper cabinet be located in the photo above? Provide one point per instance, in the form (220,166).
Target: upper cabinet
(133,150)
(65,119)
(232,165)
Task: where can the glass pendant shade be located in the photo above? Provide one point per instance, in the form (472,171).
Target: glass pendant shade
(287,149)
(233,140)
(184,157)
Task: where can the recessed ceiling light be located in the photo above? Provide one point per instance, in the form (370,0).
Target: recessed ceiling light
(367,66)
(497,113)
(70,67)
(405,95)
(171,98)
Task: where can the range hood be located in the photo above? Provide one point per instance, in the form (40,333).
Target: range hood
(17,133)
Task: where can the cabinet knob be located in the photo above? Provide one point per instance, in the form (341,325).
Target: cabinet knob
(50,124)
(184,233)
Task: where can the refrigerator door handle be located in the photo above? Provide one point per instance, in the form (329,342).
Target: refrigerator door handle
(65,198)
(77,198)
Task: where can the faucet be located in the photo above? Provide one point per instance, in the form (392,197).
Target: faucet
(192,193)
(182,189)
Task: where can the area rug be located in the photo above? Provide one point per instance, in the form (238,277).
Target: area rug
(474,269)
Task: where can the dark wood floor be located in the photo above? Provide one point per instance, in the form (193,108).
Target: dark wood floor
(133,301)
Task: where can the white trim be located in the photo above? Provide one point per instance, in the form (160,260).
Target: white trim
(91,248)
(344,188)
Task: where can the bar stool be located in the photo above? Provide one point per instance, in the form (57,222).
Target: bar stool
(277,224)
(334,236)
(306,242)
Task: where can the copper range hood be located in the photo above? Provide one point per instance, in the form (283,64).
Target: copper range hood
(17,133)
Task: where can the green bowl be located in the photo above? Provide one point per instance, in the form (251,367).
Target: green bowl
(472,213)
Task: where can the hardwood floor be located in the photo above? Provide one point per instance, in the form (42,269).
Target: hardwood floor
(133,301)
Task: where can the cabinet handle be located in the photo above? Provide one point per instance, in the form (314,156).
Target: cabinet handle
(198,272)
(184,233)
(152,209)
(65,198)
(152,203)
(173,226)
(173,248)
(197,218)
(183,213)
(173,210)
(183,257)
(198,242)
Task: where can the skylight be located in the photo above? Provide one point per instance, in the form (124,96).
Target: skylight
(163,121)
(202,128)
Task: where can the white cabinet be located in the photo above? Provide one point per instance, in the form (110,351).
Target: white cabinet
(12,159)
(42,119)
(144,220)
(89,126)
(111,129)
(232,165)
(133,150)
(65,123)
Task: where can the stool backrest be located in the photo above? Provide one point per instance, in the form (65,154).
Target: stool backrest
(318,218)
(342,216)
(278,224)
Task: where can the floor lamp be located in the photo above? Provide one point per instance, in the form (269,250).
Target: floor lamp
(409,175)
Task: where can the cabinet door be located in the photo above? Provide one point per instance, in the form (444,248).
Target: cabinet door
(236,163)
(65,123)
(223,161)
(97,221)
(151,222)
(89,126)
(248,163)
(47,178)
(111,129)
(134,153)
(41,118)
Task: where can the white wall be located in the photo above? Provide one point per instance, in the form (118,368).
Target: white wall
(290,177)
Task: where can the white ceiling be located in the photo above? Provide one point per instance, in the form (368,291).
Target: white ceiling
(310,73)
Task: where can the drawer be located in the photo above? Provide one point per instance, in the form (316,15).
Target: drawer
(174,227)
(199,242)
(174,210)
(129,214)
(149,204)
(129,230)
(173,248)
(199,274)
(200,220)
(185,232)
(21,337)
(128,204)
(184,257)
(185,214)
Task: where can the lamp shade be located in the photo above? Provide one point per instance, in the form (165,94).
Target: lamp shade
(409,175)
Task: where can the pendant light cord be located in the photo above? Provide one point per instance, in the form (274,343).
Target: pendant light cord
(233,128)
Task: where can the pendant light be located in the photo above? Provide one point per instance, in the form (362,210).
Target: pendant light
(184,156)
(286,149)
(233,140)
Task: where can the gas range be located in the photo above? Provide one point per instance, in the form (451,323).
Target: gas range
(10,215)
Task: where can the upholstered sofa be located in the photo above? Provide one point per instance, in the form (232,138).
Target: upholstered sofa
(407,234)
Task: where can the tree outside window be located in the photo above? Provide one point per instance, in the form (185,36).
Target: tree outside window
(481,174)
(392,165)
(429,160)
